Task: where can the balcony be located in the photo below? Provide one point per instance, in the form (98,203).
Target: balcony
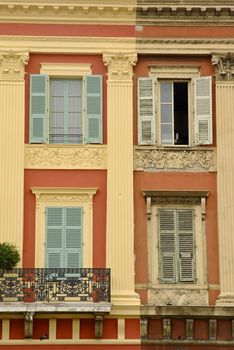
(83,289)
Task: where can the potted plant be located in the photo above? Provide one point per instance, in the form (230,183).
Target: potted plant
(9,256)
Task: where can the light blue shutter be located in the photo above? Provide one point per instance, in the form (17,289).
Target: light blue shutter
(73,237)
(203,110)
(146,111)
(38,108)
(185,224)
(54,237)
(93,109)
(167,246)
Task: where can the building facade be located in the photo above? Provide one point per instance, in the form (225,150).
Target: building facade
(117,174)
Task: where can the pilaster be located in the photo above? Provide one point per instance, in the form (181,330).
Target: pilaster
(120,222)
(225,173)
(12,88)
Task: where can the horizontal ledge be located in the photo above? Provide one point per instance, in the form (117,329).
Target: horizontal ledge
(165,193)
(58,307)
(150,311)
(187,342)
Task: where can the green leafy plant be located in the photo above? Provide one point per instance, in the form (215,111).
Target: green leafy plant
(9,256)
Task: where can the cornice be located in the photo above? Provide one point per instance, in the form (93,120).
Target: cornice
(117,12)
(68,11)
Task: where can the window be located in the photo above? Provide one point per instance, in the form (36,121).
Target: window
(176,238)
(64,239)
(168,115)
(65,111)
(64,227)
(176,245)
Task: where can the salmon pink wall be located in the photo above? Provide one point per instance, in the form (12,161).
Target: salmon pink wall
(183,182)
(34,66)
(142,70)
(66,178)
(184,32)
(97,30)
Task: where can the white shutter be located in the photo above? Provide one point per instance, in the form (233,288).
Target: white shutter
(186,244)
(203,110)
(146,109)
(167,246)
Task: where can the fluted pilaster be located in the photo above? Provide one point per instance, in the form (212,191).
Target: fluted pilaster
(120,222)
(12,146)
(225,174)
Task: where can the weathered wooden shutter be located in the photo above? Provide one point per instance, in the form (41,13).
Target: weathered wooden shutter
(38,108)
(73,238)
(54,237)
(185,224)
(167,246)
(146,111)
(203,110)
(93,109)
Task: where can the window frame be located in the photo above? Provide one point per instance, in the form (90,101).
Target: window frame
(158,112)
(172,73)
(73,71)
(63,197)
(195,200)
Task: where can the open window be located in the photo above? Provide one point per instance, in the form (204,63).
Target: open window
(174,112)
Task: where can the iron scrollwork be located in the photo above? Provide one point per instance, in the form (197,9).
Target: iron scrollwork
(56,284)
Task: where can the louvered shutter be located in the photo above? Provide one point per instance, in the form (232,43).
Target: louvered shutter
(146,109)
(73,238)
(93,109)
(167,248)
(186,244)
(203,110)
(38,108)
(54,237)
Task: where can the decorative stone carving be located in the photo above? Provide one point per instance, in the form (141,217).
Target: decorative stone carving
(57,157)
(120,66)
(12,65)
(190,159)
(177,200)
(224,66)
(178,297)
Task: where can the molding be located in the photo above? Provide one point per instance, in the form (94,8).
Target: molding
(120,66)
(65,69)
(192,311)
(67,44)
(65,157)
(144,12)
(174,197)
(51,194)
(56,11)
(178,297)
(190,159)
(91,45)
(12,65)
(174,71)
(75,342)
(224,65)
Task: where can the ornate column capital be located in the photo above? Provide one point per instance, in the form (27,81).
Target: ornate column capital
(224,65)
(120,66)
(12,65)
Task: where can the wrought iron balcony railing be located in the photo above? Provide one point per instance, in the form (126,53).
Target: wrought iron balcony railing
(57,284)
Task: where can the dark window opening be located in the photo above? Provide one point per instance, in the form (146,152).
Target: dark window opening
(181,133)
